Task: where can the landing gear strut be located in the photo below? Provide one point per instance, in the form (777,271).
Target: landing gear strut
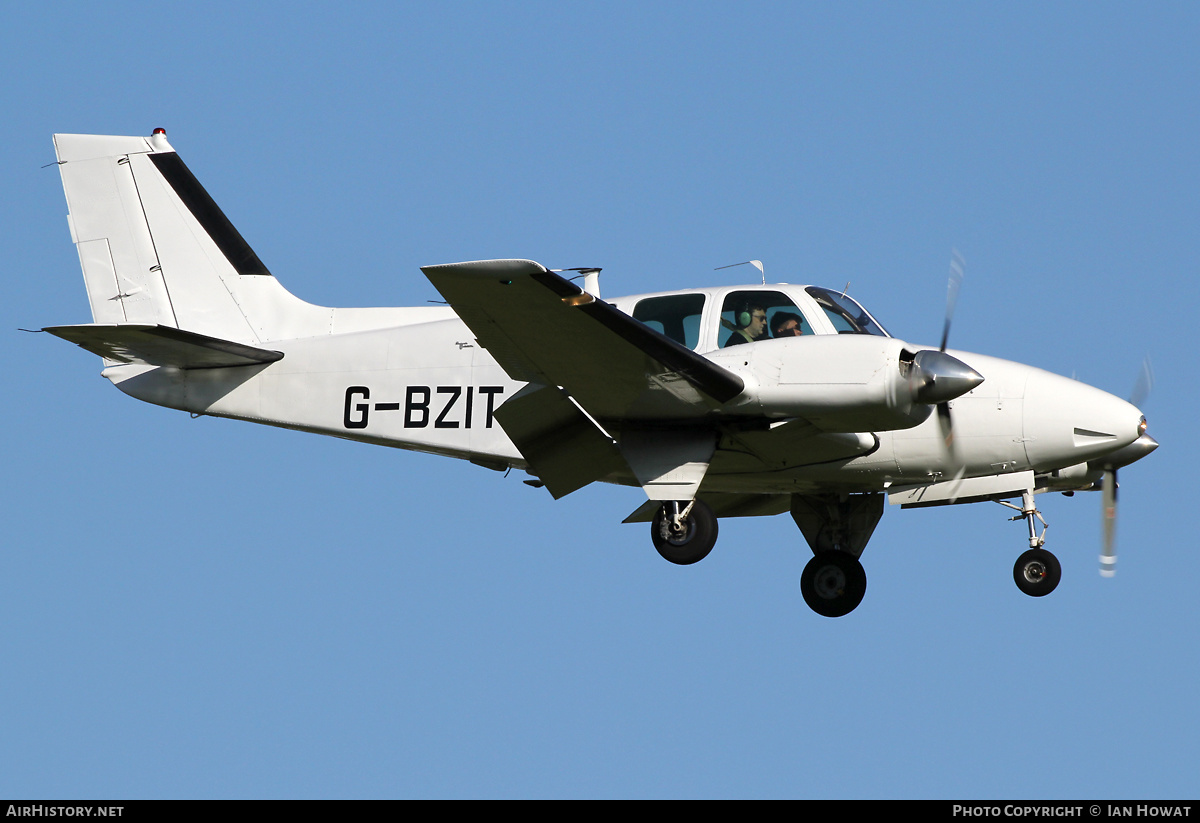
(684,531)
(1037,571)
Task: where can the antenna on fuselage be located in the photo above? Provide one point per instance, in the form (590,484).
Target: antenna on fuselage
(756,263)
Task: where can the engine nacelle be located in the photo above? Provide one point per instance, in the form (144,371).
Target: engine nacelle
(844,383)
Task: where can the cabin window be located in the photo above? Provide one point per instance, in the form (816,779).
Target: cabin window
(676,316)
(750,316)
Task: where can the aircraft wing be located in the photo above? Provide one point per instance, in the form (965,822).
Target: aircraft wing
(542,328)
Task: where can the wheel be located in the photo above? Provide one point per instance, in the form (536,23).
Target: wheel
(1037,572)
(692,540)
(833,583)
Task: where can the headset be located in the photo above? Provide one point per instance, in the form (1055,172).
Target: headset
(745,314)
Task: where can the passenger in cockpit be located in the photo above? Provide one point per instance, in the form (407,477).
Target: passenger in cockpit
(786,324)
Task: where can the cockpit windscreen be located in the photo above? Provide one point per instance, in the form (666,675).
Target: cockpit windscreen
(847,316)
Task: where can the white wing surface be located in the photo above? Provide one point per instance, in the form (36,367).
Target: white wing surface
(541,328)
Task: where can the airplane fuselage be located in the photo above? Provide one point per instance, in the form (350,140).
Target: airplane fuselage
(431,387)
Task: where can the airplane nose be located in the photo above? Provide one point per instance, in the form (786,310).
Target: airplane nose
(941,377)
(1067,422)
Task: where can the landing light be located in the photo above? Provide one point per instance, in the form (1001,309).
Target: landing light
(1142,427)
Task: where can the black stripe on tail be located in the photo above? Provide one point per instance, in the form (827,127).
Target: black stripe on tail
(231,243)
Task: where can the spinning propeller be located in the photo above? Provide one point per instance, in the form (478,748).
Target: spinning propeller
(938,378)
(1109,465)
(957,270)
(954,282)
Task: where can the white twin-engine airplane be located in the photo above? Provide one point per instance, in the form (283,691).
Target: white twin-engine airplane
(719,402)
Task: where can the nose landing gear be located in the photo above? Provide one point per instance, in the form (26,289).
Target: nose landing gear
(1037,571)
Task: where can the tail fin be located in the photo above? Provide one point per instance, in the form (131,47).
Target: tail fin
(156,249)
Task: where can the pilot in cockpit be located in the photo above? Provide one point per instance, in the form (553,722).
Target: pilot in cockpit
(751,323)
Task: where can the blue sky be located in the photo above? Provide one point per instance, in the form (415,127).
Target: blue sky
(204,608)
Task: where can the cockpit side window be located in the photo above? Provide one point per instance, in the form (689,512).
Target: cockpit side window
(676,316)
(846,315)
(750,316)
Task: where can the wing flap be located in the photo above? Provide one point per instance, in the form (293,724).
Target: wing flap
(565,449)
(162,346)
(542,328)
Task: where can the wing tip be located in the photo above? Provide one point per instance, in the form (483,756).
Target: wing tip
(487,268)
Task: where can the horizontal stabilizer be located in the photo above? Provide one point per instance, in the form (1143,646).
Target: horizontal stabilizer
(162,346)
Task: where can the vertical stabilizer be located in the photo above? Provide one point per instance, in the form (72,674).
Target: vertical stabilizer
(157,250)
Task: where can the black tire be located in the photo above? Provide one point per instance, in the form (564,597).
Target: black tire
(1037,572)
(690,544)
(833,583)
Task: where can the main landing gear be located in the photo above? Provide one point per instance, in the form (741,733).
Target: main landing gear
(1037,571)
(684,531)
(837,528)
(833,583)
